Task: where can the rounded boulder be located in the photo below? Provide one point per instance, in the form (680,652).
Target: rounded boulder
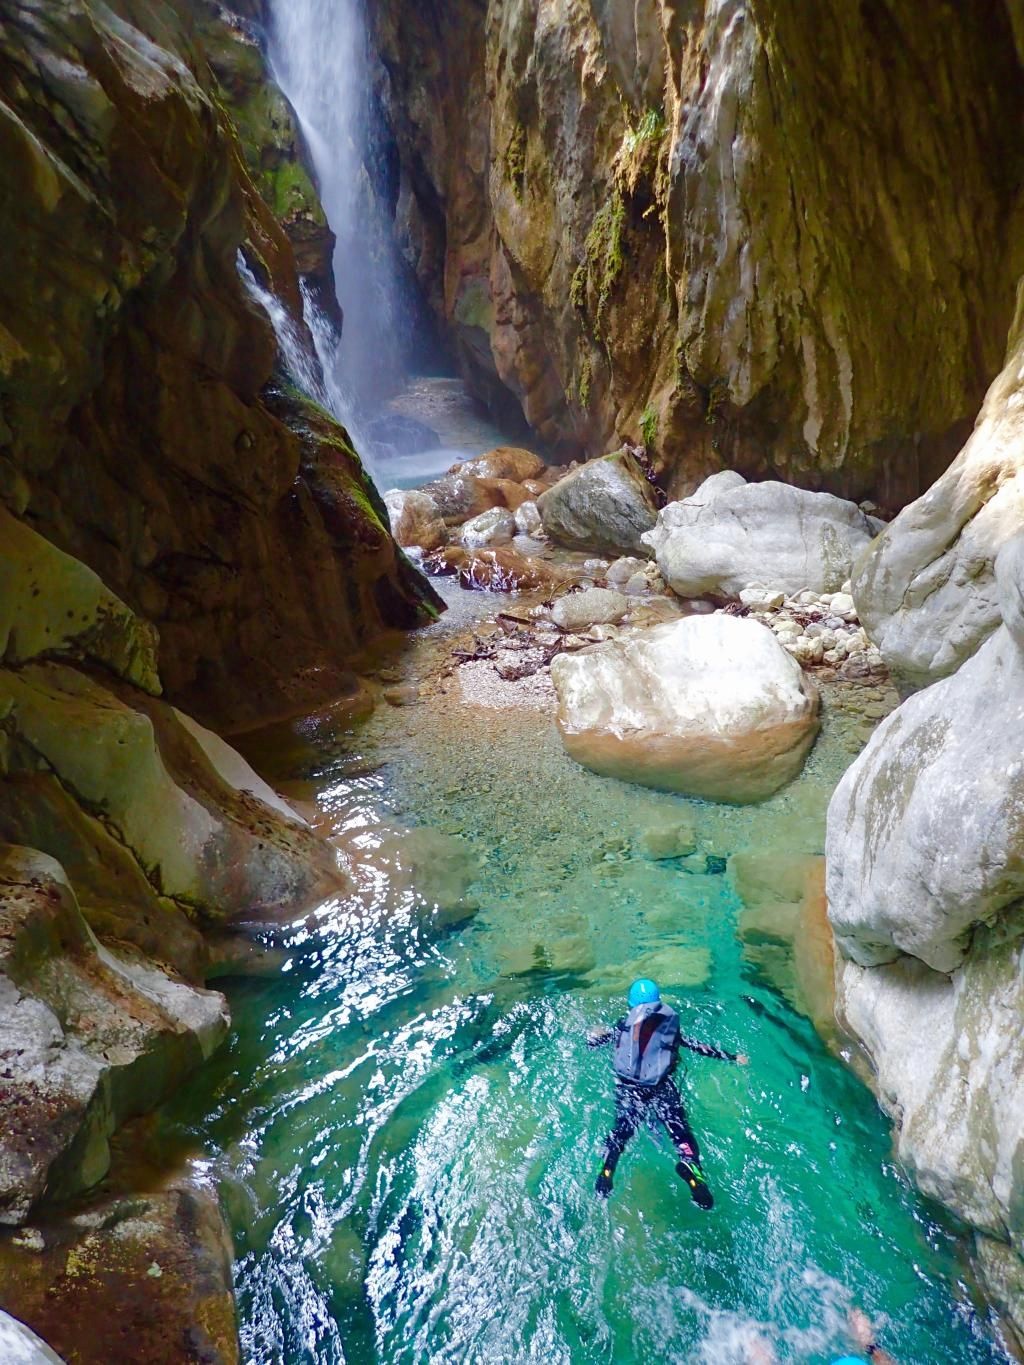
(711,706)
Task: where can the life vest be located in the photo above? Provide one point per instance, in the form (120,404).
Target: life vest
(645,1049)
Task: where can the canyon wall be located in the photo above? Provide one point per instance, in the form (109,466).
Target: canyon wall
(748,240)
(143,428)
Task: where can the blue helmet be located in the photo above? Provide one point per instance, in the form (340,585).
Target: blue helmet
(643,992)
(849,1360)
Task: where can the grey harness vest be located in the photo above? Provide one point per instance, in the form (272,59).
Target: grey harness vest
(657,1026)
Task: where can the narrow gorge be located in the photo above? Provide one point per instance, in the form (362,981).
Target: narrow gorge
(505,506)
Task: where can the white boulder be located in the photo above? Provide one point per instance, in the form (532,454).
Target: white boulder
(730,535)
(496,526)
(527,519)
(711,706)
(19,1345)
(592,607)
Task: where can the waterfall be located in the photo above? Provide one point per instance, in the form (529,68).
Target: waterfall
(320,55)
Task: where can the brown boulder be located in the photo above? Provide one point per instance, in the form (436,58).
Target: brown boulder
(500,570)
(503,462)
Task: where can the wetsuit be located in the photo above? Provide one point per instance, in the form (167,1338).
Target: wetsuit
(637,1104)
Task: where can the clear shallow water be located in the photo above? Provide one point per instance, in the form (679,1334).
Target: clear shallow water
(407,1123)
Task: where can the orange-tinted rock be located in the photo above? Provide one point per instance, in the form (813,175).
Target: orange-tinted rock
(500,570)
(505,462)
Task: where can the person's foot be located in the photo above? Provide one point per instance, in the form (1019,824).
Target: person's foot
(603,1184)
(699,1192)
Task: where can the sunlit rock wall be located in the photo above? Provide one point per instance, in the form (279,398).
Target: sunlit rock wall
(749,239)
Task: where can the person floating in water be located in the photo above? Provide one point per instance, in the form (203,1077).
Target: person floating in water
(647,1042)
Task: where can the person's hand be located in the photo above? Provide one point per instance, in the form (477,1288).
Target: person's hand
(742,1059)
(860,1328)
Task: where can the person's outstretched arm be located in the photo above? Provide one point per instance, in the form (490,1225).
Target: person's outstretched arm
(601,1037)
(709,1050)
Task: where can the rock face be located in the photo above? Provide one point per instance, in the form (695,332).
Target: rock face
(137,430)
(927,591)
(607,505)
(88,1037)
(269,137)
(924,851)
(711,706)
(730,534)
(661,222)
(139,1276)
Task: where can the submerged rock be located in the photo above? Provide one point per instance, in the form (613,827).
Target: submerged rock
(711,706)
(731,535)
(605,505)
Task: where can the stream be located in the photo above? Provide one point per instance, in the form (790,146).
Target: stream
(406,1123)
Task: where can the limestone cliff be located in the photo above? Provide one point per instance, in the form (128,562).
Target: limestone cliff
(924,856)
(137,429)
(717,227)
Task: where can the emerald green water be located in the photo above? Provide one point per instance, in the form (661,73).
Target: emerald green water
(406,1125)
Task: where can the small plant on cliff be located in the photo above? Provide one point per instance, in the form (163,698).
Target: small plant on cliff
(717,395)
(583,384)
(639,156)
(515,160)
(603,249)
(649,425)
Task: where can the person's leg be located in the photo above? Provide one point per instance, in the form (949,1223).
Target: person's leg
(670,1110)
(627,1120)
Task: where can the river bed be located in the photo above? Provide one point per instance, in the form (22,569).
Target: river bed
(407,1124)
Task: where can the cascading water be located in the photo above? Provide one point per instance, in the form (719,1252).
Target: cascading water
(320,56)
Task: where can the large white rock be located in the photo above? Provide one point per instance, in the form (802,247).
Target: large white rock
(926,592)
(926,828)
(20,1346)
(710,705)
(925,854)
(949,1055)
(731,534)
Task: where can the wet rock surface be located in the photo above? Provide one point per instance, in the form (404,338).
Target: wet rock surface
(924,850)
(606,504)
(145,1277)
(88,1037)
